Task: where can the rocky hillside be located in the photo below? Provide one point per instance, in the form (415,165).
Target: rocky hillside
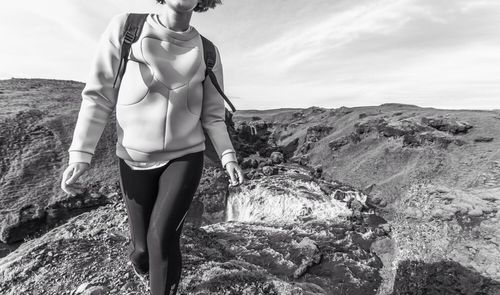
(433,174)
(393,199)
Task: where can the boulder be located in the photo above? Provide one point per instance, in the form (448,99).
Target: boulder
(317,132)
(277,157)
(449,125)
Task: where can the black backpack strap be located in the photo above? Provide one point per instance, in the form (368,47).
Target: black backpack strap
(133,29)
(210,57)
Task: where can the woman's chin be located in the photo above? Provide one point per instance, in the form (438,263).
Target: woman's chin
(183,7)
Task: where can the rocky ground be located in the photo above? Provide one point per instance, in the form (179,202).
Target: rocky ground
(304,253)
(434,175)
(393,199)
(36,119)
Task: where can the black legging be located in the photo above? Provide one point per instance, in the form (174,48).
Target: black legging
(157,201)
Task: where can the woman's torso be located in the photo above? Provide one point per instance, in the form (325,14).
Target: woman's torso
(160,98)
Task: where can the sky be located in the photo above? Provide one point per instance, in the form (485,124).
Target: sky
(292,53)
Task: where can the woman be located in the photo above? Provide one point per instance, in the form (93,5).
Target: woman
(162,108)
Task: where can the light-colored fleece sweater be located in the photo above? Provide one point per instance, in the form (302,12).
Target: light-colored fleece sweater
(161,104)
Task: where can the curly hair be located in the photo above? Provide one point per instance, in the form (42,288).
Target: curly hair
(203,5)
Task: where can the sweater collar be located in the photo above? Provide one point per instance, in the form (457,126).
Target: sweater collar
(187,35)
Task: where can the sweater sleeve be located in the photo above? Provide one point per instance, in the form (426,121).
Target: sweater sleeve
(98,96)
(213,116)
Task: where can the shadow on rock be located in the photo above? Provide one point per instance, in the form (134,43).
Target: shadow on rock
(441,278)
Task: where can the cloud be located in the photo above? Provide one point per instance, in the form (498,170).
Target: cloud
(64,34)
(427,51)
(337,30)
(290,52)
(375,30)
(66,18)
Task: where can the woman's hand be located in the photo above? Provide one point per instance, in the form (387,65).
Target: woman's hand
(235,173)
(70,175)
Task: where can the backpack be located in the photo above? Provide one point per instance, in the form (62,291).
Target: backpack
(133,29)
